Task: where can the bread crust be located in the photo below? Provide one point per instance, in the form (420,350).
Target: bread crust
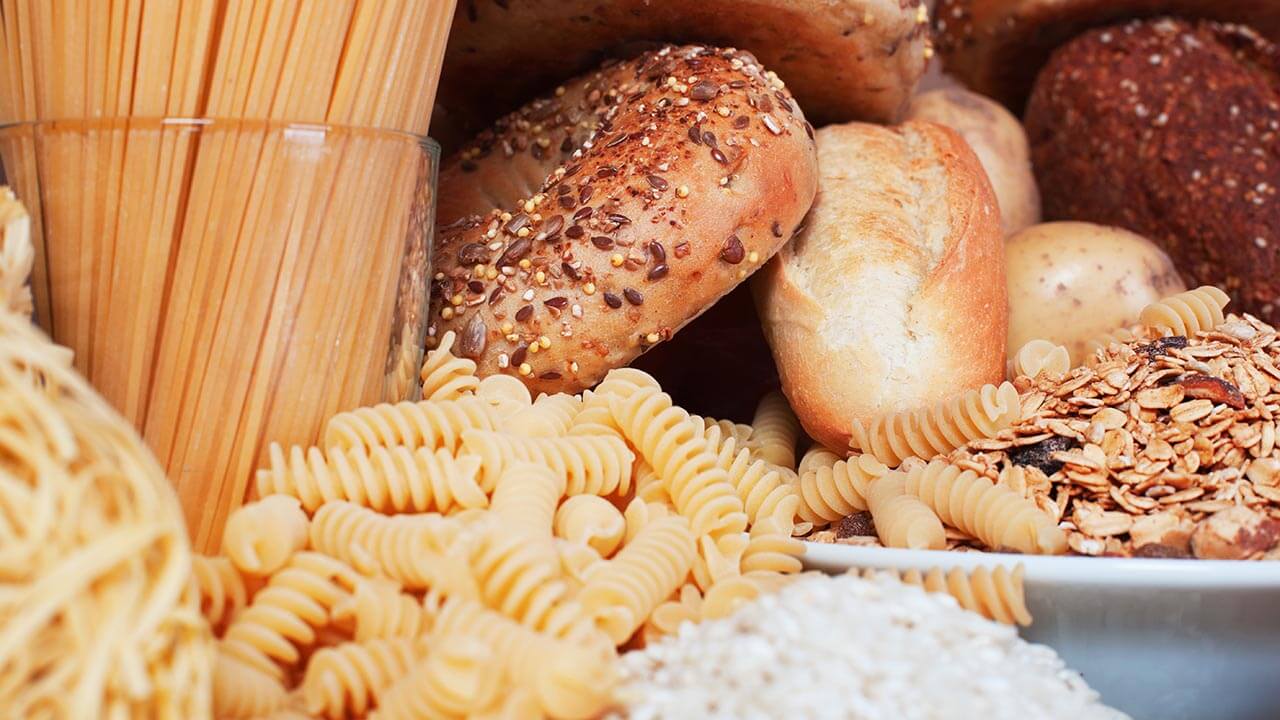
(844,59)
(641,231)
(893,296)
(997,47)
(1169,129)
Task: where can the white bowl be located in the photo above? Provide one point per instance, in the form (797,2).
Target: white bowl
(1159,639)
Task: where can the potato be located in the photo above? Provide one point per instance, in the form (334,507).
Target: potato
(1071,281)
(997,139)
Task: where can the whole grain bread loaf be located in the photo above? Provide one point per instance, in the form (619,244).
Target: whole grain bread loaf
(1171,129)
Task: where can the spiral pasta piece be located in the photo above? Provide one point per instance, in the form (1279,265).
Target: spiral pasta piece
(1040,356)
(995,514)
(397,479)
(569,679)
(595,465)
(941,428)
(1187,313)
(414,425)
(548,416)
(577,561)
(344,680)
(446,376)
(684,606)
(459,678)
(777,430)
(761,488)
(378,609)
(902,520)
(828,494)
(676,449)
(525,499)
(649,486)
(724,598)
(995,594)
(241,690)
(408,549)
(284,615)
(816,457)
(222,589)
(595,417)
(771,548)
(504,394)
(741,434)
(639,514)
(591,521)
(645,572)
(521,578)
(261,536)
(719,559)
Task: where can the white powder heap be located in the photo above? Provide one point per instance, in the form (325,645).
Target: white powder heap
(852,648)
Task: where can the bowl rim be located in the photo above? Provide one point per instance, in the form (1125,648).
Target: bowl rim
(1071,570)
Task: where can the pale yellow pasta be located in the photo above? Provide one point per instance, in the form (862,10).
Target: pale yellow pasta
(283,617)
(379,609)
(411,424)
(221,587)
(569,679)
(994,514)
(1118,336)
(521,578)
(408,549)
(17,255)
(620,596)
(829,493)
(675,447)
(741,433)
(649,487)
(726,597)
(595,417)
(460,677)
(345,680)
(591,521)
(548,416)
(771,548)
(762,489)
(718,558)
(994,594)
(1040,356)
(241,690)
(931,431)
(396,479)
(684,606)
(577,561)
(640,513)
(776,430)
(504,394)
(1187,313)
(901,519)
(816,457)
(261,537)
(446,376)
(596,465)
(525,499)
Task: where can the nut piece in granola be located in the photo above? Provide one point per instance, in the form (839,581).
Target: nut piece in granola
(1236,533)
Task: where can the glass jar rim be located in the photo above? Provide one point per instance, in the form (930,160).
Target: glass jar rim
(157,122)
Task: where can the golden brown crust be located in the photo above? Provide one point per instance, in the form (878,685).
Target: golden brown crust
(997,47)
(641,231)
(893,297)
(844,59)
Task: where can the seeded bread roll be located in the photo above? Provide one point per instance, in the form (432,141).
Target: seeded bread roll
(682,192)
(893,297)
(997,47)
(843,59)
(1170,129)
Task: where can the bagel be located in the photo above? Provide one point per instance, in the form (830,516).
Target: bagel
(699,168)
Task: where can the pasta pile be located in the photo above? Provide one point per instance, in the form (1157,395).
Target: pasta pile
(1187,313)
(994,593)
(98,617)
(483,552)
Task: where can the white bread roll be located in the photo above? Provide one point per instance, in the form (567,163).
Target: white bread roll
(894,294)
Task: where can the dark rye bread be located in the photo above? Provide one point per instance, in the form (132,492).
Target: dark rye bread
(1170,129)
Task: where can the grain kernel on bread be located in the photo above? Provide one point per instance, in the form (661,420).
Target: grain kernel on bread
(893,297)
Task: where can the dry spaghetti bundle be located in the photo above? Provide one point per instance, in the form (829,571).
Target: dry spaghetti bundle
(100,617)
(229,280)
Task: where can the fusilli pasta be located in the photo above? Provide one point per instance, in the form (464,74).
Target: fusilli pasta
(763,492)
(649,486)
(522,579)
(504,393)
(902,520)
(525,499)
(724,598)
(596,418)
(395,479)
(1040,356)
(740,433)
(345,680)
(645,572)
(460,677)
(405,548)
(261,536)
(596,465)
(771,548)
(941,428)
(995,514)
(676,449)
(684,606)
(548,416)
(828,494)
(639,514)
(816,457)
(994,594)
(414,425)
(591,521)
(776,430)
(446,376)
(719,558)
(243,691)
(222,589)
(378,609)
(1187,313)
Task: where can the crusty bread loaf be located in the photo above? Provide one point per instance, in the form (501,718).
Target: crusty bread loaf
(1170,129)
(893,296)
(997,47)
(843,59)
(998,140)
(699,169)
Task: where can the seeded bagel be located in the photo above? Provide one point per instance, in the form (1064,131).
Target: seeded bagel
(699,168)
